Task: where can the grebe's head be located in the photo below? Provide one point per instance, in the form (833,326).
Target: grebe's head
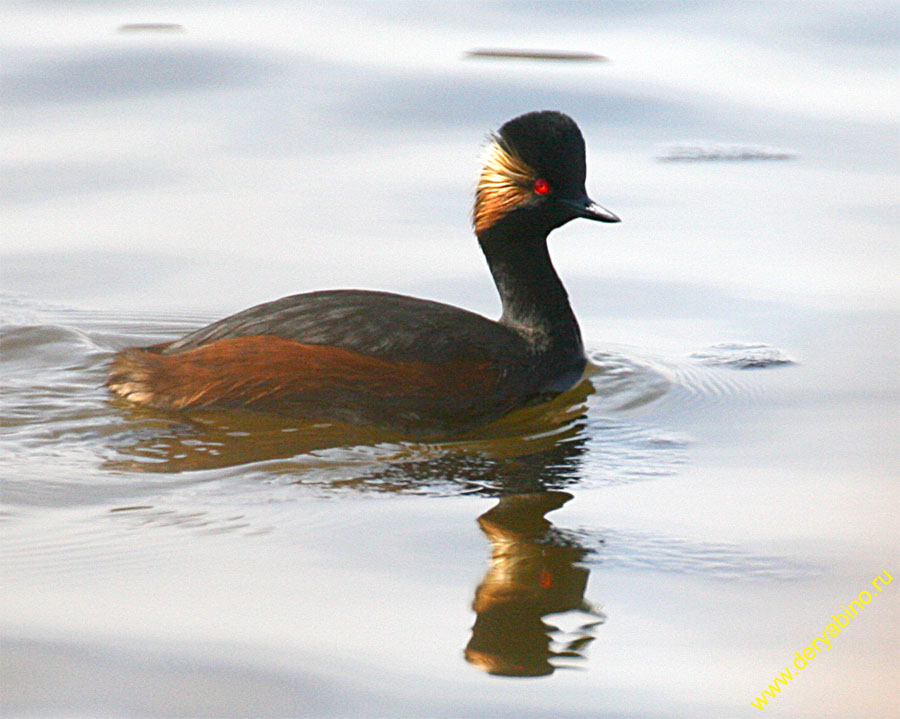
(534,172)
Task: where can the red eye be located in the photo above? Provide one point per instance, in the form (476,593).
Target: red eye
(541,186)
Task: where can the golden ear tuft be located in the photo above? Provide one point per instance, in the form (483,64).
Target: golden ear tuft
(504,184)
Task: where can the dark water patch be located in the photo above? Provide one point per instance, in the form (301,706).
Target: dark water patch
(720,152)
(151,27)
(199,521)
(743,355)
(551,55)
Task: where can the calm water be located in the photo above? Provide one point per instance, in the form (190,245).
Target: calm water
(661,544)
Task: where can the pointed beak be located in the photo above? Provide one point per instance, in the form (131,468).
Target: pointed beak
(586,207)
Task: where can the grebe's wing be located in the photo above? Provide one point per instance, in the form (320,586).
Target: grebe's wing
(378,324)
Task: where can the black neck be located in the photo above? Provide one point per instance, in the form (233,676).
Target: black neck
(535,302)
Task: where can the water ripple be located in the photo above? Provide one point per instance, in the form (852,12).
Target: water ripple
(656,553)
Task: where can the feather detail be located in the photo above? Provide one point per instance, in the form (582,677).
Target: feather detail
(505,183)
(273,374)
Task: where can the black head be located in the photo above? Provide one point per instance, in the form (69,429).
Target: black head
(534,172)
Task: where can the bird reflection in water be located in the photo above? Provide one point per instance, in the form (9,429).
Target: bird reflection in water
(510,455)
(524,460)
(534,572)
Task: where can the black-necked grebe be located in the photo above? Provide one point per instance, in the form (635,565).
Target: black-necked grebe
(400,362)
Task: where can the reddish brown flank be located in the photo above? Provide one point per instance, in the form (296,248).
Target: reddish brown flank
(274,374)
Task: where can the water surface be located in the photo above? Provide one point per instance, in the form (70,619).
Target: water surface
(659,544)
